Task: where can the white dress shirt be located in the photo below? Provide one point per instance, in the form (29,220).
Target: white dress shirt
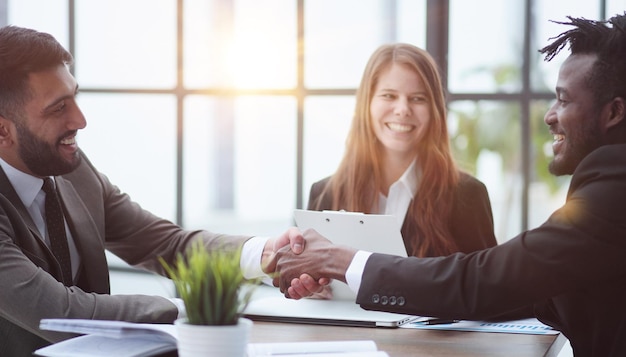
(401,193)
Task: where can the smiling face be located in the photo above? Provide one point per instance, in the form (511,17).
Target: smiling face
(42,140)
(399,111)
(574,119)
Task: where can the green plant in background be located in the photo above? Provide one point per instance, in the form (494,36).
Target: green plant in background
(485,125)
(211,284)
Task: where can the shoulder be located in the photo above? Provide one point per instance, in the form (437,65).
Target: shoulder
(321,183)
(602,169)
(607,155)
(315,195)
(469,183)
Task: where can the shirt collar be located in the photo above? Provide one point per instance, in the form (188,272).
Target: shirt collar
(26,186)
(409,179)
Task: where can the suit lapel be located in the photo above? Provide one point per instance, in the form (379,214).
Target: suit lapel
(89,242)
(7,190)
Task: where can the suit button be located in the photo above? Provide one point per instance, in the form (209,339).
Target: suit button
(392,300)
(384,300)
(401,301)
(375,298)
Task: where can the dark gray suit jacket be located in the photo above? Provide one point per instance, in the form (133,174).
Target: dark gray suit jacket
(100,217)
(572,269)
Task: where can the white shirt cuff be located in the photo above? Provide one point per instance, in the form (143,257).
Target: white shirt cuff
(251,257)
(354,273)
(182,312)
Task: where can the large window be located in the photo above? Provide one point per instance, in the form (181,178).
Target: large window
(220,114)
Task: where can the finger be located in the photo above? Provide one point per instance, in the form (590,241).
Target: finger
(324,281)
(296,240)
(297,290)
(292,294)
(313,287)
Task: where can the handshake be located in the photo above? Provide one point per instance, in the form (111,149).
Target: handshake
(304,263)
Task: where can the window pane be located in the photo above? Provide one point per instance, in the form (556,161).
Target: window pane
(614,7)
(338,42)
(485,46)
(326,124)
(411,22)
(132,139)
(50,17)
(544,74)
(263,169)
(115,49)
(485,137)
(257,50)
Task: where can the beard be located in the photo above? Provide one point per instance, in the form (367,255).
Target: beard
(42,158)
(576,148)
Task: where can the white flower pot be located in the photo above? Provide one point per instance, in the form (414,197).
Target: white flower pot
(214,341)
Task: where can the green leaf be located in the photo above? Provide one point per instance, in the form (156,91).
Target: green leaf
(211,284)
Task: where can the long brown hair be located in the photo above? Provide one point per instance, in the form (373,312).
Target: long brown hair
(358,179)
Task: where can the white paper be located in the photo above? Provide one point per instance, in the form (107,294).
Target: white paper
(101,346)
(113,329)
(525,326)
(311,349)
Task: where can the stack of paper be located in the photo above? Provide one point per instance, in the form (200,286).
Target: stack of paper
(127,339)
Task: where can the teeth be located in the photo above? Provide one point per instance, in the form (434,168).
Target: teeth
(403,128)
(559,137)
(69,141)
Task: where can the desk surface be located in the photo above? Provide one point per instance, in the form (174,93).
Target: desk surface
(413,342)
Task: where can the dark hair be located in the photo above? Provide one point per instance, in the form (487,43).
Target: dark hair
(23,51)
(607,78)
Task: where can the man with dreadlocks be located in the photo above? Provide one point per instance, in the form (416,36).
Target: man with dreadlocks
(571,271)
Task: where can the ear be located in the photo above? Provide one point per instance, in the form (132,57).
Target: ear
(616,110)
(6,127)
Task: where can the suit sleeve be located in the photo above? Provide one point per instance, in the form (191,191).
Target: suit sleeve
(579,248)
(137,236)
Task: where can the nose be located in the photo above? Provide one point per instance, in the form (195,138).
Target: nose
(402,107)
(77,119)
(550,117)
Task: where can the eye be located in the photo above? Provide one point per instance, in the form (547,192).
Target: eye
(59,108)
(388,96)
(561,100)
(418,99)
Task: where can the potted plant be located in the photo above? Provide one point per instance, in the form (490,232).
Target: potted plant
(215,293)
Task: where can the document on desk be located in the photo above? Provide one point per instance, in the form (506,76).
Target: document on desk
(109,338)
(127,339)
(525,326)
(350,348)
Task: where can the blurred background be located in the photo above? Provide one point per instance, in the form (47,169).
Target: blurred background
(220,114)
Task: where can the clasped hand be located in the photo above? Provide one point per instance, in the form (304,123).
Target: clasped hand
(307,273)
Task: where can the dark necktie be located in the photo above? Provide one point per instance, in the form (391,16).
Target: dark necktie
(56,230)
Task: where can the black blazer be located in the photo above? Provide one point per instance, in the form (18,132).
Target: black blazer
(571,269)
(471,223)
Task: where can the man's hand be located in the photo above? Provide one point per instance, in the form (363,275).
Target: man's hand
(292,238)
(306,286)
(320,261)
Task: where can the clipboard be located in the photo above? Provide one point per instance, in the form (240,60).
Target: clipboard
(375,233)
